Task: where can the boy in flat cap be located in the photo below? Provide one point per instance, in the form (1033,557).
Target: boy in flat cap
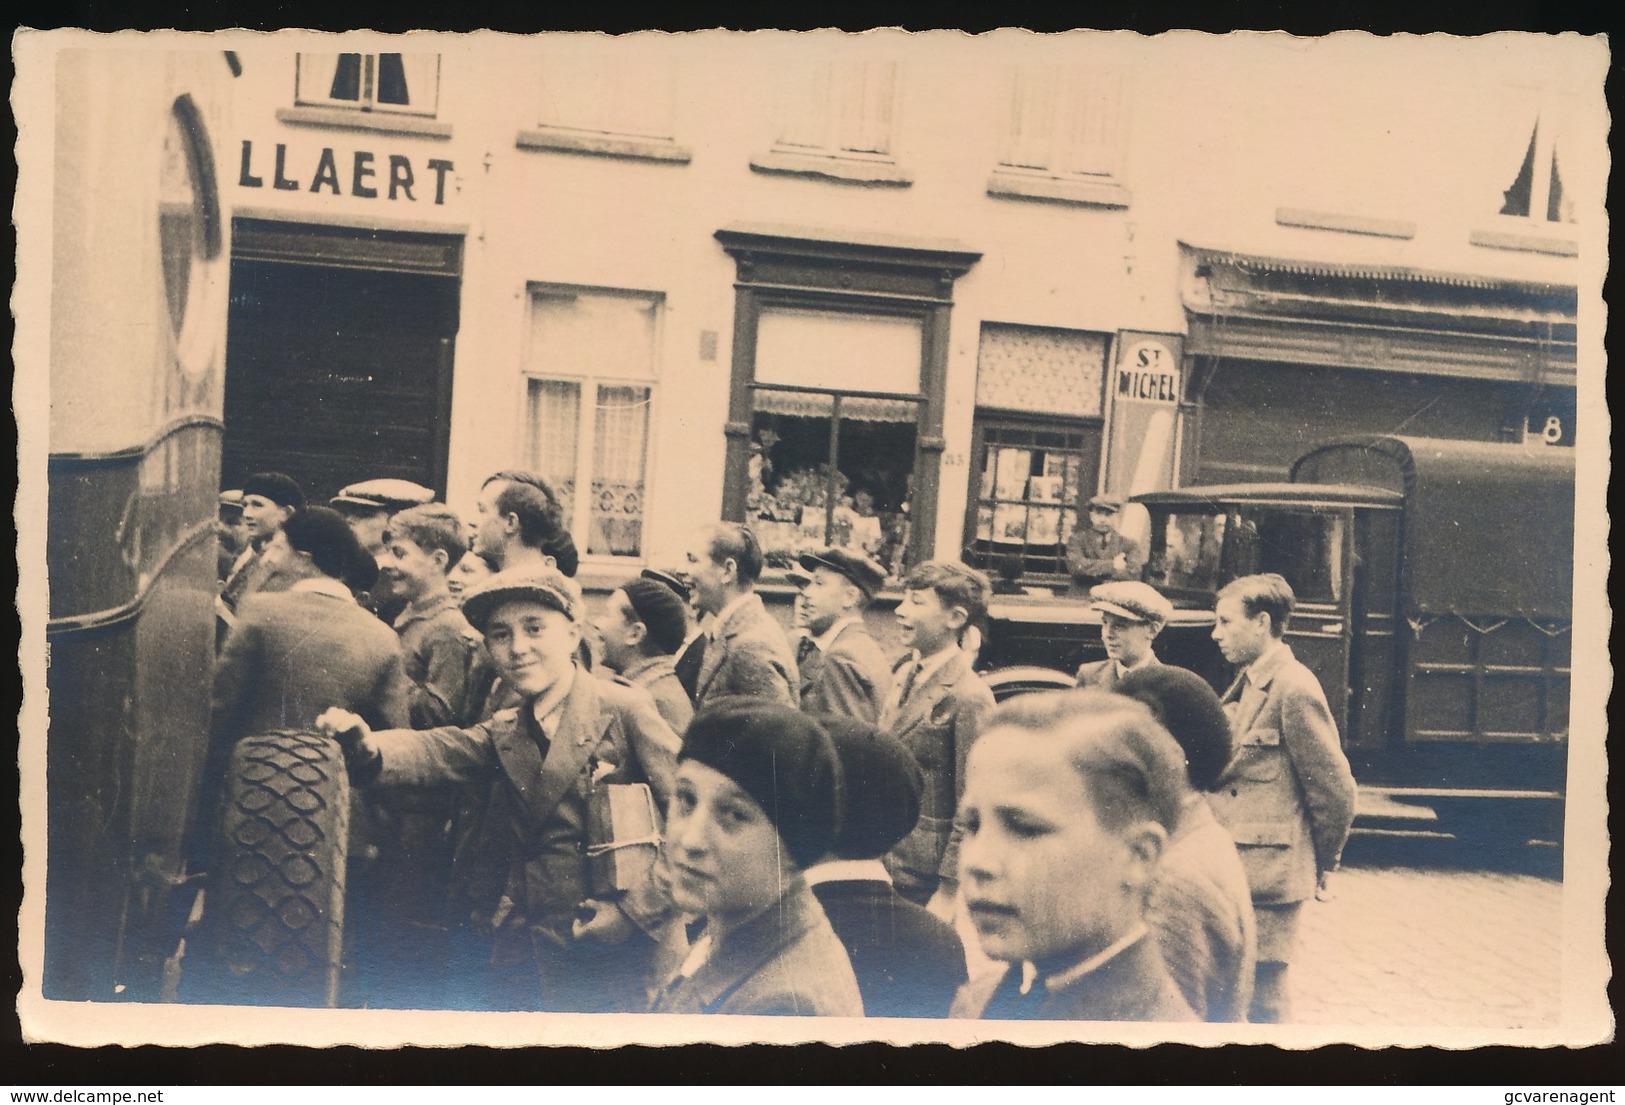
(908,962)
(643,625)
(1098,552)
(843,671)
(555,946)
(1131,615)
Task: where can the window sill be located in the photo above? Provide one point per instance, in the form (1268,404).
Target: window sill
(603,145)
(1346,224)
(338,118)
(1077,191)
(850,170)
(1524,242)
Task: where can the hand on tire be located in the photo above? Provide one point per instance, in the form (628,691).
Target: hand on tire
(351,732)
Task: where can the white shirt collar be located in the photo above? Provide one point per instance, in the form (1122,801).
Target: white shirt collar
(1052,983)
(827,638)
(324,585)
(1145,661)
(847,870)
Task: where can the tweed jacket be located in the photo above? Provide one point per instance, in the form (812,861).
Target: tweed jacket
(749,655)
(942,717)
(908,962)
(1132,985)
(1102,674)
(1201,915)
(849,679)
(785,961)
(658,676)
(293,654)
(606,734)
(1287,796)
(446,662)
(687,663)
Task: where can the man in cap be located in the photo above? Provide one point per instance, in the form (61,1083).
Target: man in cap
(368,506)
(269,499)
(1131,615)
(747,653)
(231,532)
(843,671)
(690,655)
(908,962)
(643,625)
(556,947)
(1098,552)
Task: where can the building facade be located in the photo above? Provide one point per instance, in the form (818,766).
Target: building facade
(923,294)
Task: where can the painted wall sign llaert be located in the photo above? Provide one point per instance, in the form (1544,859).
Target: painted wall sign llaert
(357,173)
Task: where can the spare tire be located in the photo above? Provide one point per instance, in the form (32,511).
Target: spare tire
(276,902)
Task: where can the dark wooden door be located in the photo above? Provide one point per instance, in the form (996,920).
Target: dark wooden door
(338,373)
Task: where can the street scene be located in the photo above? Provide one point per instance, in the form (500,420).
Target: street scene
(1072,528)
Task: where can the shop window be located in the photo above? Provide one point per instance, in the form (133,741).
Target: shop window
(406,84)
(836,121)
(835,410)
(1035,456)
(589,387)
(624,109)
(834,432)
(1064,137)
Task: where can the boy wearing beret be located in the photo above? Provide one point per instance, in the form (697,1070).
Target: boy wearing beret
(644,624)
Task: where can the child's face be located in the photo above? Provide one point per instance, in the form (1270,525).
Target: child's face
(532,645)
(469,571)
(1043,880)
(927,625)
(408,570)
(726,859)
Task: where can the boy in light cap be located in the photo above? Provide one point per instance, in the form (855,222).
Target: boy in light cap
(555,947)
(1131,616)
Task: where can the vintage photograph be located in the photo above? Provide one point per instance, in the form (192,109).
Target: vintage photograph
(787,536)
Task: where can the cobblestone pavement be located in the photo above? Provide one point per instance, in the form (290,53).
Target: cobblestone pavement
(1420,933)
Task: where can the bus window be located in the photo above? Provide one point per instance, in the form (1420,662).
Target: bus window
(1186,551)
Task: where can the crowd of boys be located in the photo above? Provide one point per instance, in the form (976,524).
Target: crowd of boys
(1138,849)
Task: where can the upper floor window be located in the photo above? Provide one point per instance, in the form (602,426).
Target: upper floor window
(837,120)
(1537,191)
(1065,137)
(624,108)
(589,386)
(408,84)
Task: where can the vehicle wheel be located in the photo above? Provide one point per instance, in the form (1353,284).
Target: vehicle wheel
(277,908)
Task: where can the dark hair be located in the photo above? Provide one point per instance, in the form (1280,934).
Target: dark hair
(280,488)
(734,540)
(322,533)
(662,612)
(1131,766)
(537,511)
(432,526)
(955,585)
(1268,593)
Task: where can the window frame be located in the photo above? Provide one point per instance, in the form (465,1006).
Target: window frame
(367,102)
(997,418)
(814,101)
(857,276)
(579,519)
(1055,181)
